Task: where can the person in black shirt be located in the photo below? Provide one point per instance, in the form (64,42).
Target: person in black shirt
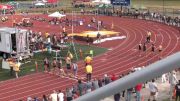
(177,87)
(87,39)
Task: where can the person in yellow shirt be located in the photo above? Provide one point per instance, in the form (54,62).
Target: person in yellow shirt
(46,34)
(88,60)
(11,64)
(16,68)
(88,72)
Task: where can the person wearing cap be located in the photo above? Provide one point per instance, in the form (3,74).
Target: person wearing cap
(89,72)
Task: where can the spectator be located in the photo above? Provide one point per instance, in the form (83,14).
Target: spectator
(35,99)
(80,87)
(95,84)
(138,88)
(29,99)
(113,77)
(88,86)
(60,96)
(117,97)
(153,90)
(106,79)
(172,80)
(129,93)
(44,98)
(163,78)
(177,87)
(100,83)
(53,96)
(69,94)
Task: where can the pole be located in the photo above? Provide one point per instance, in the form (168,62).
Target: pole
(73,38)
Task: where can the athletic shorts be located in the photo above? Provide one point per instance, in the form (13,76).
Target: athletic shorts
(153,93)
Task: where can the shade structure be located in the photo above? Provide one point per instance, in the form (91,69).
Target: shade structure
(104,6)
(39,4)
(102,1)
(56,15)
(93,34)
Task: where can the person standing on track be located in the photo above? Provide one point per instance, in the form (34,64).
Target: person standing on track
(46,65)
(88,60)
(68,65)
(144,48)
(140,48)
(54,65)
(88,39)
(148,38)
(153,49)
(88,72)
(160,51)
(75,69)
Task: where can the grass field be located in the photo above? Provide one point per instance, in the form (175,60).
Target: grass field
(30,67)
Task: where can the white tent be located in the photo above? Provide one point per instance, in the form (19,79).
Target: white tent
(102,1)
(57,15)
(39,4)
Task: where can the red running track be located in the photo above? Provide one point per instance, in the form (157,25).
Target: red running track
(120,59)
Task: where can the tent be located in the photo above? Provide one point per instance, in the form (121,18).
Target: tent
(102,1)
(104,6)
(39,4)
(56,15)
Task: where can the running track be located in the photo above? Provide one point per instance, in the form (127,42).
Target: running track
(120,59)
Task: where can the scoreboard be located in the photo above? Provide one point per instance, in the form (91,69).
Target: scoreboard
(121,2)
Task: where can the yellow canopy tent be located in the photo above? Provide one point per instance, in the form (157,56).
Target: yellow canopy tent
(93,34)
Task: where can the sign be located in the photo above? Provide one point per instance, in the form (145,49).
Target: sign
(121,2)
